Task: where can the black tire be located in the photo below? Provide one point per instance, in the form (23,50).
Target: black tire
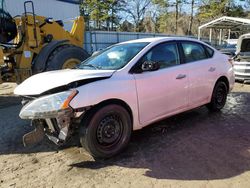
(63,54)
(219,97)
(107,132)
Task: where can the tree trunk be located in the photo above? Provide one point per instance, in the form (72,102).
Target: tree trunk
(176,16)
(191,18)
(112,20)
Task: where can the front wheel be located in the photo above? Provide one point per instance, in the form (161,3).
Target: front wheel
(219,97)
(107,131)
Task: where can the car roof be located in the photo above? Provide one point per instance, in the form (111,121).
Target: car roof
(160,39)
(247,35)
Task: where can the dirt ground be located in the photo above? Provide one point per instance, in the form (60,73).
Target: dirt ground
(193,149)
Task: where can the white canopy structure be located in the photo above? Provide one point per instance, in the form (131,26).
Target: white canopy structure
(226,23)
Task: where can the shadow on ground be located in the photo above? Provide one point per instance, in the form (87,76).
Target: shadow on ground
(195,145)
(7,101)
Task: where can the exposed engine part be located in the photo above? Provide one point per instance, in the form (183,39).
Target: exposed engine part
(50,125)
(58,129)
(53,139)
(63,124)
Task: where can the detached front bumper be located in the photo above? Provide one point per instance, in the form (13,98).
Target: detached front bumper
(57,129)
(36,135)
(50,113)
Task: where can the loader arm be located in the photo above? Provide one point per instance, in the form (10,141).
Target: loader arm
(77,30)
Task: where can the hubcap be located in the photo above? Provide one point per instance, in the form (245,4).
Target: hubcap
(109,130)
(70,63)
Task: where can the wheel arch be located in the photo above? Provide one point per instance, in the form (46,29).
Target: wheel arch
(224,79)
(61,54)
(40,62)
(120,102)
(88,131)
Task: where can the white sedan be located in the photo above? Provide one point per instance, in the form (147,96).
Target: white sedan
(123,88)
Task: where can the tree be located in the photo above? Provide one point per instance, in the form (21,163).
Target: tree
(99,12)
(102,12)
(211,9)
(236,11)
(168,16)
(85,10)
(136,10)
(126,26)
(161,20)
(176,4)
(149,23)
(114,7)
(191,18)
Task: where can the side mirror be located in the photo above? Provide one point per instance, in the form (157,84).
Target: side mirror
(150,66)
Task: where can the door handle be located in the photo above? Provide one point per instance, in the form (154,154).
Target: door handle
(212,69)
(181,76)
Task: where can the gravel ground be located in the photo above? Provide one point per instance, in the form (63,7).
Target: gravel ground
(193,149)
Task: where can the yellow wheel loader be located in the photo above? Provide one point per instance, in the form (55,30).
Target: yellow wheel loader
(31,44)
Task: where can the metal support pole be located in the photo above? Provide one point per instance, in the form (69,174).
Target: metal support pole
(210,35)
(229,35)
(220,39)
(199,33)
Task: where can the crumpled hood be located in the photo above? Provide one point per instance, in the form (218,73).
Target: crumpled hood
(43,82)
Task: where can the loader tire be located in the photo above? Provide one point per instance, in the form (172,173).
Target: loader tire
(66,56)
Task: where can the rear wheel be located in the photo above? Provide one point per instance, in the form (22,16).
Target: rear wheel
(66,56)
(107,132)
(219,97)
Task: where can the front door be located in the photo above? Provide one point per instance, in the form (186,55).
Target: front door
(164,91)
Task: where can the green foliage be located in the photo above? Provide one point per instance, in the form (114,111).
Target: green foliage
(161,3)
(236,11)
(213,9)
(101,11)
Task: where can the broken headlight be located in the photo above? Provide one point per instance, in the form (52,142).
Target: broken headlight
(48,106)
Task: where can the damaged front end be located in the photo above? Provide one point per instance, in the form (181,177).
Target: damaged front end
(51,115)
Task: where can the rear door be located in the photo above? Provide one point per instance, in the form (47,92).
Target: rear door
(164,91)
(202,70)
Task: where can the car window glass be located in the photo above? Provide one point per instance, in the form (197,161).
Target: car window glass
(193,51)
(209,51)
(245,45)
(113,58)
(164,54)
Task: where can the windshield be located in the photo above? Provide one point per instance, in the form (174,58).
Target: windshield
(113,58)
